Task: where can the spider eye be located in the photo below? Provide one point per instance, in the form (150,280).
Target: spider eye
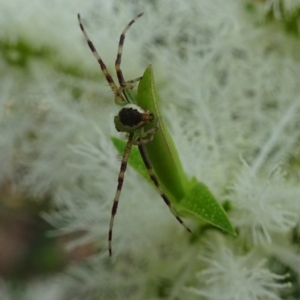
(132,117)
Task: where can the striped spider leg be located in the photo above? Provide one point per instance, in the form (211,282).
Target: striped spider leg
(131,119)
(119,92)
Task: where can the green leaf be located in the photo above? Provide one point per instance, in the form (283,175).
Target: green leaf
(190,196)
(161,151)
(201,203)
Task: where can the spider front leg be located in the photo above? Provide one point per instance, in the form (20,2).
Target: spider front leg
(120,49)
(119,98)
(130,83)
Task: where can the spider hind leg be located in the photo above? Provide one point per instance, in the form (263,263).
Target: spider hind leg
(153,177)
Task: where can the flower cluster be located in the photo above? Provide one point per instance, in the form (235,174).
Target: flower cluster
(228,77)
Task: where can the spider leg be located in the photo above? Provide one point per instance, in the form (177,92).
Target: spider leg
(120,48)
(115,89)
(130,83)
(153,177)
(119,188)
(146,136)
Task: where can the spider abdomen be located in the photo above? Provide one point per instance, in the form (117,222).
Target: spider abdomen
(132,117)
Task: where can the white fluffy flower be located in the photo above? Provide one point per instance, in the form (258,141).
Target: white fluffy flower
(280,8)
(263,206)
(230,275)
(229,89)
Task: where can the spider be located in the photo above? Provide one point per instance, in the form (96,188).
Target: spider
(131,119)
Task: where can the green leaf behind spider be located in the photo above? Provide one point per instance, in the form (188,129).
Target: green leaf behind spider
(161,151)
(190,197)
(201,203)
